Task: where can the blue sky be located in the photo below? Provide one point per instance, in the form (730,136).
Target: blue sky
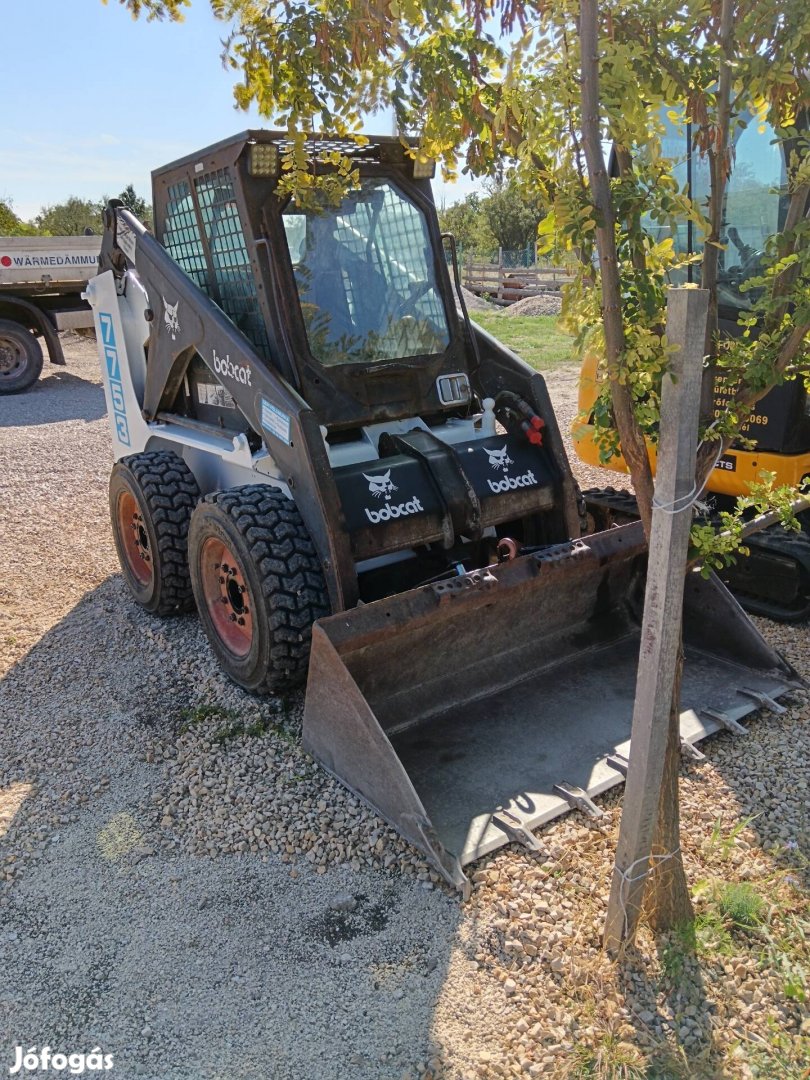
(93,101)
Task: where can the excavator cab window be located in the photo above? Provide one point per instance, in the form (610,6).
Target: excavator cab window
(366,278)
(754,207)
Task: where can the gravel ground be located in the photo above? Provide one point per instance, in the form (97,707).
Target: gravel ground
(549,303)
(201,902)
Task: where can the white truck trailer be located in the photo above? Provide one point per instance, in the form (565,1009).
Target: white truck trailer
(41,282)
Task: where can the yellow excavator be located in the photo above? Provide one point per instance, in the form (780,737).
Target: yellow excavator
(774,579)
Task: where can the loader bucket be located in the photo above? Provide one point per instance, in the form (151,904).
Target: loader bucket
(469,712)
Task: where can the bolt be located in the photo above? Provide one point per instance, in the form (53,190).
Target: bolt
(241,621)
(225,567)
(232,617)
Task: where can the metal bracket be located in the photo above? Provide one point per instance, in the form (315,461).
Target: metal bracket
(763,699)
(516,830)
(618,762)
(579,799)
(689,750)
(727,721)
(477,579)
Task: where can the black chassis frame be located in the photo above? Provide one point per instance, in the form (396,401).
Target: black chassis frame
(292,374)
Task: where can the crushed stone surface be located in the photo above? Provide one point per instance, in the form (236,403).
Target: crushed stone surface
(183,886)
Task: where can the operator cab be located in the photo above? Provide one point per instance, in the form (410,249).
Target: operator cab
(367,285)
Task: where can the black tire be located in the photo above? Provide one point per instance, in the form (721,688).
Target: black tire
(20,358)
(152,496)
(258,585)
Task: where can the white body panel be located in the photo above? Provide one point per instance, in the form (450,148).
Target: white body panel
(50,261)
(122,332)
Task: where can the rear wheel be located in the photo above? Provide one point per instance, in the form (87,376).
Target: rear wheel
(152,496)
(20,358)
(258,585)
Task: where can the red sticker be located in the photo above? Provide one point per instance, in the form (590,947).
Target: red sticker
(5,261)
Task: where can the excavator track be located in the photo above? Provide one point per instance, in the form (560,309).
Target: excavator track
(773,580)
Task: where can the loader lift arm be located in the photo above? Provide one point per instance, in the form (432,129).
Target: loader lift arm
(187,322)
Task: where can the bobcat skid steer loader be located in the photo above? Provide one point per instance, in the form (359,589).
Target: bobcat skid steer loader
(347,477)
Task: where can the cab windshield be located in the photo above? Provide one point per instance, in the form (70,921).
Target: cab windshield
(366,279)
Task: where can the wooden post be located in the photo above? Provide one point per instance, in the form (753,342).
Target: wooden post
(663,607)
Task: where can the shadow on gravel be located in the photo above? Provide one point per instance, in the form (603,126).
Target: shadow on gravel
(769,801)
(183,967)
(59,397)
(672,1014)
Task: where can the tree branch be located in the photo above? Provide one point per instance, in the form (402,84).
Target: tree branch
(632,441)
(719,165)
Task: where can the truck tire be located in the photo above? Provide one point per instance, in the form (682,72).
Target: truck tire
(152,496)
(20,358)
(258,584)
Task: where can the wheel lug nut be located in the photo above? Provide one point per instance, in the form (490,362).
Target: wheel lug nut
(241,621)
(232,618)
(222,581)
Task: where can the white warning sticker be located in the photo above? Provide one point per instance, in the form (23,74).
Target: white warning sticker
(214,394)
(275,421)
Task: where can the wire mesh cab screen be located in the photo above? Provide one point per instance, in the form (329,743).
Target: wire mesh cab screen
(366,278)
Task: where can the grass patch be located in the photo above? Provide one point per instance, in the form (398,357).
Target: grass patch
(741,905)
(712,937)
(724,846)
(234,730)
(201,714)
(536,338)
(611,1059)
(231,726)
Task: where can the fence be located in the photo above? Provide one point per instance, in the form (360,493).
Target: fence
(505,280)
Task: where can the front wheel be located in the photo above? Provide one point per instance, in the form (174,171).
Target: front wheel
(258,585)
(152,496)
(20,358)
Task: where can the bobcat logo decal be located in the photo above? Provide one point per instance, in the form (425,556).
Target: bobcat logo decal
(498,459)
(170,318)
(381,485)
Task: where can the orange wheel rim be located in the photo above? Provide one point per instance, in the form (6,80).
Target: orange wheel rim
(132,530)
(227,596)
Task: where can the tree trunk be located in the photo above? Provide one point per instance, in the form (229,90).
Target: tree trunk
(633,445)
(667,899)
(720,166)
